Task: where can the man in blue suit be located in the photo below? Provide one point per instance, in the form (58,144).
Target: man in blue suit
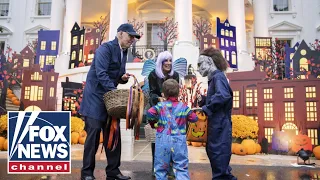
(106,72)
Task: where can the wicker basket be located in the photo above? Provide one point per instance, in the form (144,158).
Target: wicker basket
(116,101)
(150,133)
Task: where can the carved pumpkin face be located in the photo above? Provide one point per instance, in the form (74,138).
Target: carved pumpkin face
(197,132)
(301,141)
(201,116)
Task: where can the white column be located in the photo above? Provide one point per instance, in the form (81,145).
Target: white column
(236,17)
(183,15)
(118,16)
(260,9)
(72,15)
(184,46)
(57,17)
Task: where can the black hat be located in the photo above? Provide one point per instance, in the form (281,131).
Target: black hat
(128,28)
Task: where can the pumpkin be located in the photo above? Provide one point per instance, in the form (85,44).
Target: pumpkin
(83,133)
(16,102)
(9,91)
(233,145)
(240,150)
(188,143)
(280,141)
(301,141)
(201,116)
(75,137)
(196,144)
(197,132)
(101,137)
(10,96)
(249,145)
(204,144)
(316,152)
(258,148)
(5,145)
(2,140)
(82,140)
(13,99)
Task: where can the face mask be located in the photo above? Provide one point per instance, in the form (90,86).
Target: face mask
(206,65)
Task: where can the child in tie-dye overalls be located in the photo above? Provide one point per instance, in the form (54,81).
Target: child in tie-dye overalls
(170,118)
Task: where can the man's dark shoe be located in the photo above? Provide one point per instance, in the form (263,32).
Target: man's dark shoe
(88,178)
(119,176)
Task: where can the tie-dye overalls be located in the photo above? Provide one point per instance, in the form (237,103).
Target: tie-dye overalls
(171,140)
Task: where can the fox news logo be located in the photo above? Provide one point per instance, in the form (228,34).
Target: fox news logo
(39,142)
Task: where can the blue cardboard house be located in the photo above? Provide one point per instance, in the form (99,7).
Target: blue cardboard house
(47,49)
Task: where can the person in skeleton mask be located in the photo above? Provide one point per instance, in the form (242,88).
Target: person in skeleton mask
(217,106)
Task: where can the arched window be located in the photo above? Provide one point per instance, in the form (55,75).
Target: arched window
(231,33)
(222,32)
(304,64)
(290,126)
(227,33)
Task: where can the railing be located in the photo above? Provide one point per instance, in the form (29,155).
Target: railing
(142,53)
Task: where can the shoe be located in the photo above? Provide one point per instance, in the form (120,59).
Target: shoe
(88,178)
(119,176)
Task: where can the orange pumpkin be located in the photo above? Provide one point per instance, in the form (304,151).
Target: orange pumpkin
(316,152)
(240,150)
(10,96)
(258,148)
(16,102)
(2,140)
(82,140)
(301,141)
(5,145)
(249,145)
(13,99)
(201,116)
(233,145)
(9,91)
(75,137)
(197,132)
(83,133)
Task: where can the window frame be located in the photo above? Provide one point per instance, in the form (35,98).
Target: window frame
(38,3)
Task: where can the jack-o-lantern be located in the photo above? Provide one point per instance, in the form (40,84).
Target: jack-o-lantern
(249,145)
(280,141)
(301,141)
(316,152)
(201,116)
(240,150)
(197,132)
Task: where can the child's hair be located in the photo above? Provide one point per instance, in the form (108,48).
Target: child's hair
(170,88)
